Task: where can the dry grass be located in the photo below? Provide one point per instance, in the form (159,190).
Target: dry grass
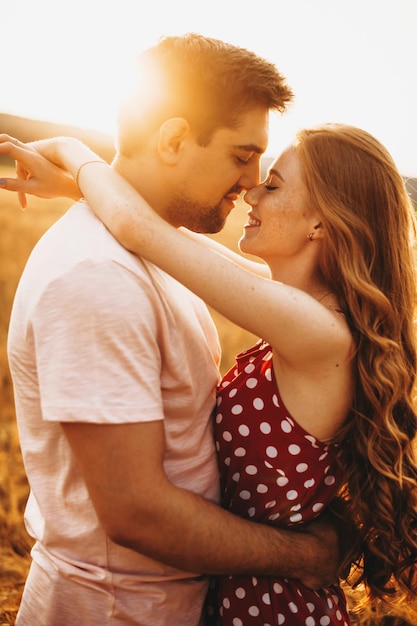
(19,231)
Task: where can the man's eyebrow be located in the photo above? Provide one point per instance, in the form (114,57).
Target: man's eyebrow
(251,147)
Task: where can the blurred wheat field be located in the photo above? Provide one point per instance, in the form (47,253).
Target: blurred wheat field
(19,231)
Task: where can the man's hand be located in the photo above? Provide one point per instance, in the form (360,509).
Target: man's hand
(338,545)
(35,174)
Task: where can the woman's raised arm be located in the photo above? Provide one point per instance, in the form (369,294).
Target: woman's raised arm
(295,324)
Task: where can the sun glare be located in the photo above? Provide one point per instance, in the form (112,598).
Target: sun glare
(72,67)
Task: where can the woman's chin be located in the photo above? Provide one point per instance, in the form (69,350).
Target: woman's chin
(245,244)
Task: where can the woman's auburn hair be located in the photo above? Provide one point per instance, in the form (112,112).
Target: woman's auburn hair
(367,260)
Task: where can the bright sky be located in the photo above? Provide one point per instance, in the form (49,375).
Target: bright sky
(352,61)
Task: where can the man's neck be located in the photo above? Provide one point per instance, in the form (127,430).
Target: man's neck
(145,177)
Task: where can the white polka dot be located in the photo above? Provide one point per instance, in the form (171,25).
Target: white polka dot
(310,621)
(219,400)
(251,383)
(232,393)
(249,368)
(273,517)
(226,603)
(275,400)
(286,426)
(254,581)
(278,588)
(323,456)
(265,428)
(309,483)
(244,494)
(258,404)
(310,607)
(294,449)
(240,452)
(292,494)
(227,461)
(252,511)
(237,622)
(251,470)
(219,418)
(325,620)
(272,452)
(227,436)
(261,488)
(281,619)
(282,481)
(236,477)
(266,598)
(297,517)
(236,409)
(268,374)
(244,430)
(253,611)
(296,507)
(317,507)
(301,467)
(268,464)
(329,480)
(240,593)
(329,602)
(293,607)
(312,440)
(270,504)
(338,615)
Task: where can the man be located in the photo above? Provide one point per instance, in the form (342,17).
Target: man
(115,367)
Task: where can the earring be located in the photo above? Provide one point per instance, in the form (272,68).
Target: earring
(310,236)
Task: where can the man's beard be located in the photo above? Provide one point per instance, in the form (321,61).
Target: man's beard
(198,218)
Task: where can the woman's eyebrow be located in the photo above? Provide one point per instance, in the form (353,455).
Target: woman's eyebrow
(276,173)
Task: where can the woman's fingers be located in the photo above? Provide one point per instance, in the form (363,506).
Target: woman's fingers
(35,175)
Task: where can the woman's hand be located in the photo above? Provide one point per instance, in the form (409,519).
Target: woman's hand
(35,174)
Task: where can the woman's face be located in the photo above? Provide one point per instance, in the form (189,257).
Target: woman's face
(281,217)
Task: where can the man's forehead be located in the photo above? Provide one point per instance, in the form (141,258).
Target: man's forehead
(251,135)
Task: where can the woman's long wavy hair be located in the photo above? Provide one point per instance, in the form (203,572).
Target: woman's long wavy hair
(367,261)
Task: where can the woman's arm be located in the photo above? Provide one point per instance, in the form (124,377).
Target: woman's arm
(35,166)
(298,327)
(251,266)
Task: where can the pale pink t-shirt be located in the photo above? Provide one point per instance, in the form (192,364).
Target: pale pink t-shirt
(98,335)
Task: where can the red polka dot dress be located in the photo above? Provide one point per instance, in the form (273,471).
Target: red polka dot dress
(272,471)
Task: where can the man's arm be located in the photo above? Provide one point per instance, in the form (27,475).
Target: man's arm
(141,509)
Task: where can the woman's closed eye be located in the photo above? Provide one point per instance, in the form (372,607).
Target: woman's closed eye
(270,184)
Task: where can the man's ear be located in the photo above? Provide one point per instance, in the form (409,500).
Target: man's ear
(172,134)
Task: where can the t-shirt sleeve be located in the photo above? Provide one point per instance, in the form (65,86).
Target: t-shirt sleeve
(95,333)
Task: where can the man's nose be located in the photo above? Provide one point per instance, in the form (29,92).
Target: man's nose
(251,176)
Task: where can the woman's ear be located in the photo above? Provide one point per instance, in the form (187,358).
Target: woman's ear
(172,134)
(318,231)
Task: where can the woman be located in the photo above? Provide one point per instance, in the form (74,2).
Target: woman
(324,402)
